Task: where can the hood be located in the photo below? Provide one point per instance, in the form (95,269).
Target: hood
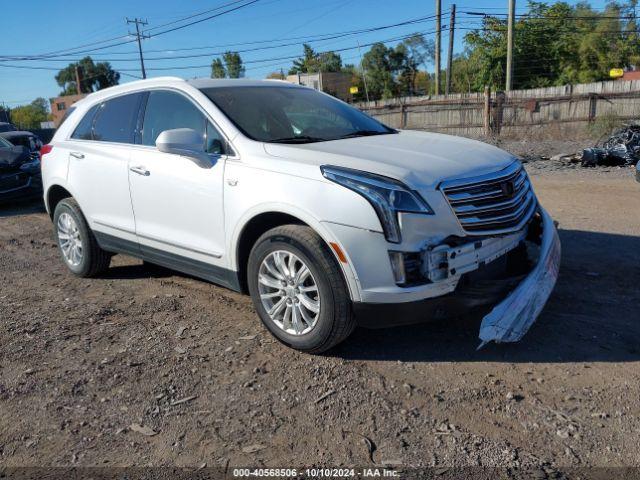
(419,159)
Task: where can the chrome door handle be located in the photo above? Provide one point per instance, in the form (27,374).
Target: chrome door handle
(77,155)
(140,171)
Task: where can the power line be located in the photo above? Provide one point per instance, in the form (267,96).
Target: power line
(251,2)
(75,51)
(595,16)
(303,39)
(189,17)
(291,57)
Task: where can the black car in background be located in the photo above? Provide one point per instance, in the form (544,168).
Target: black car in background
(20,176)
(26,139)
(7,127)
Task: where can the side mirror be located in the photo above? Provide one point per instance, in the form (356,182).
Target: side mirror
(186,142)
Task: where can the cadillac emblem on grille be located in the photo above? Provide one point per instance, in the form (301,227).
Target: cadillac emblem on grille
(498,202)
(508,188)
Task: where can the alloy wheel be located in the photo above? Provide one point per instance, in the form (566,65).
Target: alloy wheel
(288,292)
(70,240)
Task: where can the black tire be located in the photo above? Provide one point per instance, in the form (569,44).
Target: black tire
(336,320)
(94,260)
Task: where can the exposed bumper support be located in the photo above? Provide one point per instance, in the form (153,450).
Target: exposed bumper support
(443,262)
(511,319)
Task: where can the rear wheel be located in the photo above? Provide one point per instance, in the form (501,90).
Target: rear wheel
(78,246)
(298,289)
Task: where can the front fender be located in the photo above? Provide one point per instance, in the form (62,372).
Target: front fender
(304,216)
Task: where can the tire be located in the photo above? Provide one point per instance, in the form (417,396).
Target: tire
(335,320)
(93,259)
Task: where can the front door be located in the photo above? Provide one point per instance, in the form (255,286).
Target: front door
(176,202)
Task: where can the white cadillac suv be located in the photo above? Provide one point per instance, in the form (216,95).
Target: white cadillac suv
(325,216)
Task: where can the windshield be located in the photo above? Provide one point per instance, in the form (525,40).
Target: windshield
(292,115)
(5,143)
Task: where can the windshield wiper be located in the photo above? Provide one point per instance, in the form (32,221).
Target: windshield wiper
(298,139)
(365,133)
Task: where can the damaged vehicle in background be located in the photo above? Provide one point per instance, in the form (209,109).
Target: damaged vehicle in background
(20,177)
(622,148)
(327,217)
(26,139)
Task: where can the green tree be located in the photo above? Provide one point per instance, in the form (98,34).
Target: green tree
(329,62)
(421,50)
(313,62)
(306,63)
(233,64)
(277,75)
(30,116)
(555,44)
(380,65)
(217,69)
(230,66)
(410,54)
(93,76)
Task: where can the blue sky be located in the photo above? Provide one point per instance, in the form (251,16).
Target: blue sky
(73,22)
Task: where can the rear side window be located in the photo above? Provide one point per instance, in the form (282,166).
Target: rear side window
(84,129)
(116,119)
(66,115)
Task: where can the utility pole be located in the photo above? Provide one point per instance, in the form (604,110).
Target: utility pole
(510,22)
(364,72)
(78,84)
(438,47)
(139,35)
(452,28)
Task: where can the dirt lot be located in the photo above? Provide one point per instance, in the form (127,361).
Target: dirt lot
(83,360)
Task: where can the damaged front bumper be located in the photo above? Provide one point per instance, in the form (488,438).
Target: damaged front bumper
(477,267)
(512,318)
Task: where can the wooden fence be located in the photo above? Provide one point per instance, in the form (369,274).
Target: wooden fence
(540,112)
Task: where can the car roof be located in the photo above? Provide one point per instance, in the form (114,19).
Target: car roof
(177,82)
(17,133)
(238,82)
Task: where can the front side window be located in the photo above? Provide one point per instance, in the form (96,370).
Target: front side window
(167,110)
(215,143)
(116,119)
(281,114)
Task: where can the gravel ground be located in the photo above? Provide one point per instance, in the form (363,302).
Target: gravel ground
(144,366)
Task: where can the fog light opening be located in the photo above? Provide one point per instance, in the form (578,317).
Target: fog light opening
(397,266)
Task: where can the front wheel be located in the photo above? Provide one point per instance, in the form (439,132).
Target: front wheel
(298,290)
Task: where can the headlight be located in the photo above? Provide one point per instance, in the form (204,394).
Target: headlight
(386,195)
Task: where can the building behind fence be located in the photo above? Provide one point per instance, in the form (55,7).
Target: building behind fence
(538,113)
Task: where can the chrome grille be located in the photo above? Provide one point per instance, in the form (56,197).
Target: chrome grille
(496,203)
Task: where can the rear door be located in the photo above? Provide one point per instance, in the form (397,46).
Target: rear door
(178,203)
(99,151)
